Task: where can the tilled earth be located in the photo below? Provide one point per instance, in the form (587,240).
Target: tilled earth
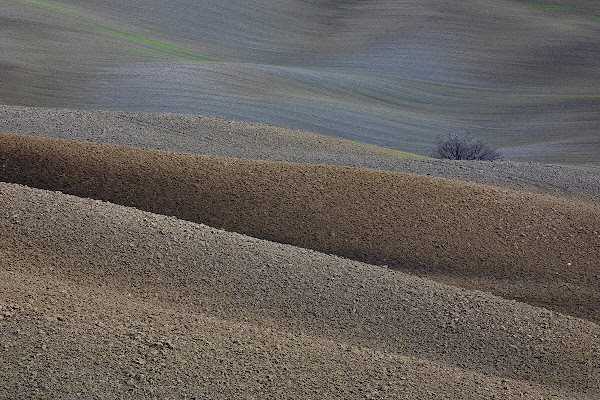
(532,247)
(223,137)
(103,301)
(99,300)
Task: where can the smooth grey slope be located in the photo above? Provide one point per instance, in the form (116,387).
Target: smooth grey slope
(222,137)
(392,73)
(486,345)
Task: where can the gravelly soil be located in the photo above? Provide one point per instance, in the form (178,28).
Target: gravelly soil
(99,300)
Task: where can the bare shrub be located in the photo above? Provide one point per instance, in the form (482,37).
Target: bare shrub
(463,146)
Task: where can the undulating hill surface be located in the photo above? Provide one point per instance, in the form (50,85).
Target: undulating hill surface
(540,249)
(225,137)
(193,255)
(103,301)
(522,74)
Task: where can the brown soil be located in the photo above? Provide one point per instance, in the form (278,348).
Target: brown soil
(538,249)
(103,301)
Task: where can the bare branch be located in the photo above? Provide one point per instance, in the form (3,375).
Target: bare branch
(455,146)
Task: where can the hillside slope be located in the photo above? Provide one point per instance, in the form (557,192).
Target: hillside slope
(99,300)
(233,138)
(536,248)
(523,75)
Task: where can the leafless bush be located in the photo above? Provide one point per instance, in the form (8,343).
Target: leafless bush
(463,146)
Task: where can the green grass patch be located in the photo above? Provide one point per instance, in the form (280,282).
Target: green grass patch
(164,48)
(577,96)
(554,7)
(386,151)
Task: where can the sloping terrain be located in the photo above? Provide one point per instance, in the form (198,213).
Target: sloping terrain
(99,300)
(230,138)
(521,74)
(357,271)
(536,248)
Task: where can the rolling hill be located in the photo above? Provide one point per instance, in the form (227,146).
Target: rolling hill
(523,75)
(209,199)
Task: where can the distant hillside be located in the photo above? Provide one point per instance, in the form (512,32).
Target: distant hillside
(524,75)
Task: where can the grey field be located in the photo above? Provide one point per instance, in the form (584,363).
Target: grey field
(521,75)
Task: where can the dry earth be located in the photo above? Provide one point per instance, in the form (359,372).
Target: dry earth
(99,300)
(224,137)
(536,248)
(102,301)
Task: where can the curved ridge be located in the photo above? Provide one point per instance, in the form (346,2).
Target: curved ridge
(536,248)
